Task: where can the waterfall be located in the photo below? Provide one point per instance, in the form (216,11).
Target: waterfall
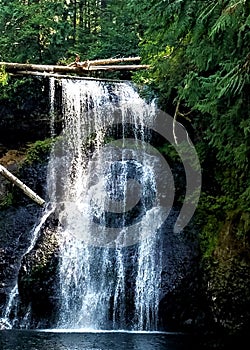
(109,193)
(107,186)
(102,178)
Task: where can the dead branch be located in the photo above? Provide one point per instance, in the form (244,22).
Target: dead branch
(31,194)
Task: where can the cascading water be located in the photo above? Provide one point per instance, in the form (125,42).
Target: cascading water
(103,184)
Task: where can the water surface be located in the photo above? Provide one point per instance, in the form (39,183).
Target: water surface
(39,340)
(114,340)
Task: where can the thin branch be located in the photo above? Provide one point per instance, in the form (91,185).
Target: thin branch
(174,121)
(31,194)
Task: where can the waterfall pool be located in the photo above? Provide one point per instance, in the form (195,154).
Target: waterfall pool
(101,340)
(76,339)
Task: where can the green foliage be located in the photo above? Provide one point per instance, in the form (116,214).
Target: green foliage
(3,76)
(117,32)
(199,53)
(168,150)
(12,89)
(54,31)
(32,31)
(39,151)
(211,215)
(23,93)
(209,236)
(243,228)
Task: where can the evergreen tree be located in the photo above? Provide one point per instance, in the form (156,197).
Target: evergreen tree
(199,51)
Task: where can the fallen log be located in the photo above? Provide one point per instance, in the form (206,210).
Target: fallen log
(119,67)
(64,76)
(79,69)
(107,61)
(31,194)
(88,63)
(113,60)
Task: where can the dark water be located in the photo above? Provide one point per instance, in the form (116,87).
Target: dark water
(39,340)
(35,340)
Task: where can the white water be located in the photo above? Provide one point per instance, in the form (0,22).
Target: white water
(109,272)
(110,262)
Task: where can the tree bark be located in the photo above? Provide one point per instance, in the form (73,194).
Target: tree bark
(78,68)
(31,194)
(64,76)
(111,61)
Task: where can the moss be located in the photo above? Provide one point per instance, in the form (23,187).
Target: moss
(227,274)
(37,279)
(243,228)
(210,217)
(39,151)
(6,201)
(3,76)
(209,236)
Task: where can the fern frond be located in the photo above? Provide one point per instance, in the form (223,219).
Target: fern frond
(229,17)
(233,6)
(234,81)
(208,10)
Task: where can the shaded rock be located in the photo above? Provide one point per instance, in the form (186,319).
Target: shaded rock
(183,305)
(15,231)
(17,221)
(38,278)
(25,116)
(228,276)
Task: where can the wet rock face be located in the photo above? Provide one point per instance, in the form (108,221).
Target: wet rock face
(38,279)
(228,277)
(15,232)
(17,219)
(210,295)
(6,267)
(25,116)
(183,305)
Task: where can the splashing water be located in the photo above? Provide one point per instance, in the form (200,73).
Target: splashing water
(103,183)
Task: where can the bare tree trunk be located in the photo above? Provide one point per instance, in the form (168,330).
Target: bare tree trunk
(31,194)
(74,20)
(81,14)
(110,61)
(64,76)
(78,67)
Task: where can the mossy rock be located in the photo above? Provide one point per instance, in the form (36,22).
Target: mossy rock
(228,275)
(38,277)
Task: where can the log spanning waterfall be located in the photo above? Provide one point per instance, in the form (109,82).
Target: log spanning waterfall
(102,175)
